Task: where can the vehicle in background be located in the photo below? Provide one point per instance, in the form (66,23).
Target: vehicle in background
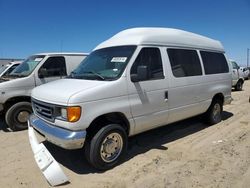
(139,79)
(249,72)
(245,72)
(6,69)
(237,76)
(15,88)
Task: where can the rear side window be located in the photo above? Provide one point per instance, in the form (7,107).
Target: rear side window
(55,66)
(184,62)
(150,57)
(214,62)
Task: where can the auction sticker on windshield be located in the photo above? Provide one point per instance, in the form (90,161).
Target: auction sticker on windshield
(38,59)
(119,59)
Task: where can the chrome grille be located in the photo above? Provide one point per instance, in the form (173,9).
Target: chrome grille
(43,110)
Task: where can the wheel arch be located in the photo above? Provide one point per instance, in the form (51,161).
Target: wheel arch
(105,119)
(14,100)
(218,96)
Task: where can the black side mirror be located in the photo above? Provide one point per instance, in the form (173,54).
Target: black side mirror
(42,73)
(142,74)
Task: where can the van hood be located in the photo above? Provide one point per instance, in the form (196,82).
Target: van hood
(16,83)
(60,91)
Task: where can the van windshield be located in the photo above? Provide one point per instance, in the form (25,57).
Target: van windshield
(104,64)
(26,67)
(3,68)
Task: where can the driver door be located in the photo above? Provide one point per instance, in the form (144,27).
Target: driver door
(149,98)
(53,68)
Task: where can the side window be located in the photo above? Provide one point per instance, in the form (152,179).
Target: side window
(150,57)
(214,62)
(54,66)
(184,62)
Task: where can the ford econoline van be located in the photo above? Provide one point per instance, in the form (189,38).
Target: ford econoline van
(15,88)
(140,79)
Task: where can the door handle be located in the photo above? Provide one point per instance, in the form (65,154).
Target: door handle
(166,96)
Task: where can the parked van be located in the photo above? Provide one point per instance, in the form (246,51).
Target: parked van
(6,69)
(38,69)
(245,72)
(138,80)
(237,76)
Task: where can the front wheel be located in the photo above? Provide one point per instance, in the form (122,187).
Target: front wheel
(107,147)
(17,116)
(213,114)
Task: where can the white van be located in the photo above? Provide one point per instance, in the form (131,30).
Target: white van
(237,76)
(138,80)
(38,69)
(6,69)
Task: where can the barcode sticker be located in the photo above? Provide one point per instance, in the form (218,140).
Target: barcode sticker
(119,59)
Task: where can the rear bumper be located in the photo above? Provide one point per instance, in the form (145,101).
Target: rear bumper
(61,137)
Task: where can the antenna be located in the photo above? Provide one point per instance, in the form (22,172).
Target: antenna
(247,56)
(61,45)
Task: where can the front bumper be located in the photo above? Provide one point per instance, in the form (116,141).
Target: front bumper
(61,137)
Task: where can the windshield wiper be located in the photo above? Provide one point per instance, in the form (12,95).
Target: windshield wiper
(16,75)
(96,74)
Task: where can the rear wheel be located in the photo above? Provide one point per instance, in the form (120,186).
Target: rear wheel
(107,147)
(239,85)
(213,114)
(17,116)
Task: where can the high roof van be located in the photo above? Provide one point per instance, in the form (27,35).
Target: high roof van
(15,88)
(139,79)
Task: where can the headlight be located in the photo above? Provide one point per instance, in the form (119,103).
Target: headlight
(71,114)
(64,113)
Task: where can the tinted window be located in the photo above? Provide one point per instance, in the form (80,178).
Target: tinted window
(54,66)
(214,62)
(150,57)
(184,62)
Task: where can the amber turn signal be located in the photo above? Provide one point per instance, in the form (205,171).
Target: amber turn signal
(73,113)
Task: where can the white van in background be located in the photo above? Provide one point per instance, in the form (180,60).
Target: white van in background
(237,76)
(38,69)
(6,69)
(138,80)
(245,72)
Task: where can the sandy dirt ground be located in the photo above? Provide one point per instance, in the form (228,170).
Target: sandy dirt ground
(184,154)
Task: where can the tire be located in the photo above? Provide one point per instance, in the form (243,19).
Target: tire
(239,85)
(213,114)
(17,115)
(109,139)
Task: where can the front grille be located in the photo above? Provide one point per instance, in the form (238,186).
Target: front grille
(43,110)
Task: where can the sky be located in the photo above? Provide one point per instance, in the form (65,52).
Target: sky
(34,26)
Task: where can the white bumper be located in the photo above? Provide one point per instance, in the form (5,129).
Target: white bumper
(45,161)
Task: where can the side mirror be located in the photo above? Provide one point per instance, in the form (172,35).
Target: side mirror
(42,73)
(142,74)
